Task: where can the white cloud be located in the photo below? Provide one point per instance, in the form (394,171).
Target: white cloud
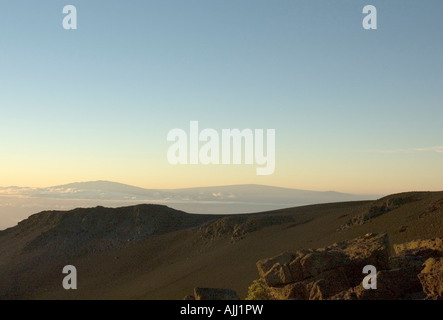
(217,195)
(432,149)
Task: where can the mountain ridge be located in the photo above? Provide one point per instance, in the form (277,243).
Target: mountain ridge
(113,190)
(108,183)
(19,202)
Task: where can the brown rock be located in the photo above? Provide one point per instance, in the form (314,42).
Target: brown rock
(296,270)
(431,278)
(407,262)
(276,271)
(215,294)
(320,287)
(293,291)
(391,285)
(265,265)
(415,253)
(301,253)
(317,262)
(327,285)
(372,249)
(336,272)
(278,275)
(424,248)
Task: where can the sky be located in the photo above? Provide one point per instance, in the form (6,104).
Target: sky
(354,110)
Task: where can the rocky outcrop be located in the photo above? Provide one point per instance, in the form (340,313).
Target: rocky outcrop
(415,271)
(422,248)
(431,278)
(380,207)
(237,227)
(86,230)
(391,285)
(276,271)
(371,249)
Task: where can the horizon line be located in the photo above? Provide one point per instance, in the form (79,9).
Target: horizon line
(207,186)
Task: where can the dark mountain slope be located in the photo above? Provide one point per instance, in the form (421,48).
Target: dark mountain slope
(169,252)
(79,230)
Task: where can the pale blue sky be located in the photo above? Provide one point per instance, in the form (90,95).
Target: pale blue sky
(350,106)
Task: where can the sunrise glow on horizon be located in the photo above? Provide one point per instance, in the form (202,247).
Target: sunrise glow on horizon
(354,110)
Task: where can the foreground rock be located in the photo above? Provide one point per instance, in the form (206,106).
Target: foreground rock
(335,272)
(397,284)
(421,248)
(431,278)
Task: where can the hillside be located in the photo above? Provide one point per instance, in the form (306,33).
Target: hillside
(154,252)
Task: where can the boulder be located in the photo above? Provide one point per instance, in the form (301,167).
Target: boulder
(395,284)
(265,265)
(327,284)
(336,272)
(278,275)
(317,262)
(424,248)
(293,291)
(431,278)
(320,287)
(215,294)
(296,270)
(415,253)
(276,271)
(371,249)
(407,262)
